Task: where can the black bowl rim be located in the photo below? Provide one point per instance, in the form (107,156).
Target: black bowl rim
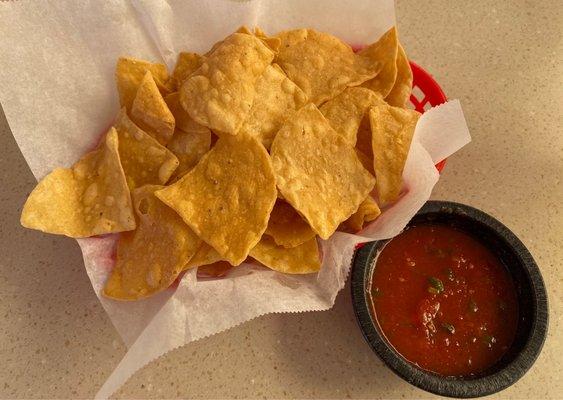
(428,381)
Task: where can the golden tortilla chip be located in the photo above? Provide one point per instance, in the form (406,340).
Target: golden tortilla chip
(186,64)
(302,259)
(392,129)
(130,72)
(183,120)
(244,29)
(321,64)
(273,43)
(150,258)
(91,198)
(345,111)
(190,141)
(205,255)
(228,196)
(150,112)
(189,147)
(144,160)
(277,97)
(220,93)
(318,172)
(367,212)
(401,92)
(287,227)
(385,52)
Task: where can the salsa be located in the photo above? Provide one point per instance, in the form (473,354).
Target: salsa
(444,301)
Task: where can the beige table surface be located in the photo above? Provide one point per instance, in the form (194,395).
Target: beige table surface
(504,60)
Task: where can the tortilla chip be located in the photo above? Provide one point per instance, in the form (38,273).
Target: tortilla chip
(150,258)
(383,51)
(345,111)
(130,72)
(244,29)
(190,141)
(367,212)
(204,255)
(150,112)
(392,129)
(318,172)
(189,147)
(287,227)
(321,64)
(213,48)
(273,43)
(218,269)
(144,160)
(91,198)
(182,119)
(276,99)
(302,259)
(228,196)
(220,93)
(401,92)
(186,64)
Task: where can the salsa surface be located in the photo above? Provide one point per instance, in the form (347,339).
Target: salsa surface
(444,301)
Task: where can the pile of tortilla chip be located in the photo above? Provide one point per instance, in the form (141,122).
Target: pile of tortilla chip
(251,151)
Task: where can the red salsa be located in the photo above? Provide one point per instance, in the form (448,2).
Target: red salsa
(444,301)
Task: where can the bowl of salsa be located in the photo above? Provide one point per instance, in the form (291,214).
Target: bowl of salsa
(455,304)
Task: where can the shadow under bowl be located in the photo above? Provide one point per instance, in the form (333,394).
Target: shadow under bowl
(530,289)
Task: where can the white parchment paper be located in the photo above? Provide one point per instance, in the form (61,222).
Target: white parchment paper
(58,93)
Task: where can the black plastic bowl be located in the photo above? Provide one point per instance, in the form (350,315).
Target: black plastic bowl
(532,297)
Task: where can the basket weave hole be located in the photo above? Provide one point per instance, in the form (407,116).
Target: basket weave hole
(418,93)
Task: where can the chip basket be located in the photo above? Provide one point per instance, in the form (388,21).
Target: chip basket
(426,93)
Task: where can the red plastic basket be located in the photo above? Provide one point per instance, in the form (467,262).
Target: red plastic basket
(426,93)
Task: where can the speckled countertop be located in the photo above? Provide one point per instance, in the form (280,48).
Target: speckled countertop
(504,60)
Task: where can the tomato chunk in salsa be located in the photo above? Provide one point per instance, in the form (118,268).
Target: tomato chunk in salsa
(444,301)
